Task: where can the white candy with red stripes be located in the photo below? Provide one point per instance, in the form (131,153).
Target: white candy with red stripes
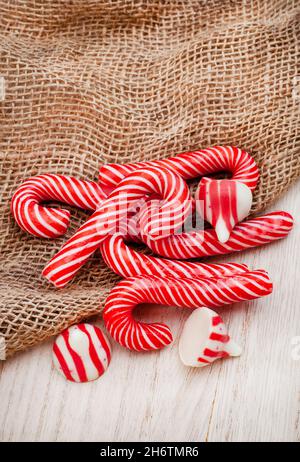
(44,221)
(108,218)
(81,353)
(204,339)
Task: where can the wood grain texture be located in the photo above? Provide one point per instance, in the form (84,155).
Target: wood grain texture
(153,397)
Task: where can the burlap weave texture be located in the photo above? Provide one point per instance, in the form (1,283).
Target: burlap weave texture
(92,81)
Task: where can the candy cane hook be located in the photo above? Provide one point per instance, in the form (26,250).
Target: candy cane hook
(188,293)
(106,220)
(43,221)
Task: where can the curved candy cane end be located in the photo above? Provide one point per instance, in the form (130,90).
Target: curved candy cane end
(135,335)
(204,339)
(155,337)
(286,215)
(59,221)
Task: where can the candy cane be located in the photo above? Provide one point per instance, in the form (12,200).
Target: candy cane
(204,339)
(204,243)
(189,293)
(190,165)
(223,203)
(171,187)
(44,221)
(126,262)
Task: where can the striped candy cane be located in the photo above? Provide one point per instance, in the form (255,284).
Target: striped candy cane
(126,262)
(189,293)
(204,243)
(43,221)
(223,203)
(190,165)
(81,353)
(171,187)
(204,339)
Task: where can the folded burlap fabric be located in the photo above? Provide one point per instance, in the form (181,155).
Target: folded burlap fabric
(92,81)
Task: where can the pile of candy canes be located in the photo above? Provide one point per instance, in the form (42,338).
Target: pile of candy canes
(150,203)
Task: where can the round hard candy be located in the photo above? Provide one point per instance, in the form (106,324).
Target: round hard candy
(81,353)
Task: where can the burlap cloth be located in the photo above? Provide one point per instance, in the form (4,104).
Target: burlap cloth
(89,82)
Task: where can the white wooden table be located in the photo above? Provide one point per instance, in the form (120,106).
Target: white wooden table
(153,397)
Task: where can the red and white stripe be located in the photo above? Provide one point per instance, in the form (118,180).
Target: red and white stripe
(43,221)
(81,353)
(106,220)
(127,262)
(223,203)
(204,243)
(189,293)
(204,339)
(190,165)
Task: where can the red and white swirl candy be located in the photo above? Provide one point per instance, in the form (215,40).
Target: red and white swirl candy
(106,220)
(190,293)
(44,221)
(223,203)
(127,262)
(204,339)
(81,353)
(204,243)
